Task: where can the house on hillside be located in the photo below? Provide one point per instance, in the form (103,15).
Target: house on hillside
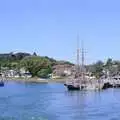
(62,70)
(24,73)
(16,74)
(11,74)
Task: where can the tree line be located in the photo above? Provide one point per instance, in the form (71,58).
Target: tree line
(100,68)
(42,66)
(38,66)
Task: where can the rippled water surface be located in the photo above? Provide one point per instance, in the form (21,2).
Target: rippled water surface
(20,101)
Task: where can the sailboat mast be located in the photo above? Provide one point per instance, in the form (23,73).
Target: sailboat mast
(83,59)
(78,55)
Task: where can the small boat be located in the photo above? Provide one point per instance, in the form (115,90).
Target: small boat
(1,83)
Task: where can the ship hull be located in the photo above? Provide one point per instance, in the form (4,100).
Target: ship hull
(72,88)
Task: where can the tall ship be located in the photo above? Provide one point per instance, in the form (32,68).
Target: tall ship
(79,80)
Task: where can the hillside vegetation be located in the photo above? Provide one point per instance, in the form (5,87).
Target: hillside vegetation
(37,65)
(42,66)
(108,68)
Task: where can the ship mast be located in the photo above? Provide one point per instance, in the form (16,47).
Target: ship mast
(83,59)
(78,56)
(80,70)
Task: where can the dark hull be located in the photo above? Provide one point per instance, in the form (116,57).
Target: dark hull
(107,85)
(71,87)
(1,84)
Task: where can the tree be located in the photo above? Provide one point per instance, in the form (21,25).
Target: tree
(43,73)
(34,54)
(35,64)
(98,69)
(112,67)
(118,66)
(109,62)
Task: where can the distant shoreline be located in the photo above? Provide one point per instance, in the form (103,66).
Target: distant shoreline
(36,80)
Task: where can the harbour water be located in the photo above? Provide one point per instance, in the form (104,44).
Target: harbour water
(19,101)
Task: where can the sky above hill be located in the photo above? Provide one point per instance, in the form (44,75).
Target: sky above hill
(50,28)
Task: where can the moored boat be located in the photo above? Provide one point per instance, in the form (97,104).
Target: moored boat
(1,83)
(80,81)
(77,82)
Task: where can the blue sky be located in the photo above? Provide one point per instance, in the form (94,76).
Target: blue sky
(50,27)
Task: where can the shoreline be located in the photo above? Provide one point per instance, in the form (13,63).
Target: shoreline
(35,80)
